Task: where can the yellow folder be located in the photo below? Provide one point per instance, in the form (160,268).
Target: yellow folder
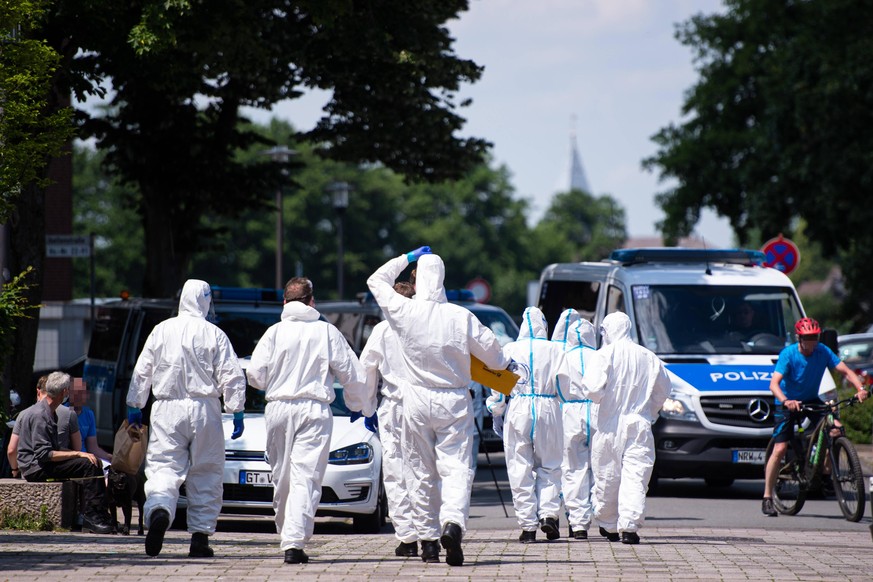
(501,380)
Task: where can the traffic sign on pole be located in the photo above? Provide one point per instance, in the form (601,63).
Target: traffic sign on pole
(59,246)
(781,254)
(481,289)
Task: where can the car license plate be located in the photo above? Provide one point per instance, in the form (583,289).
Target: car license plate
(257,478)
(755,457)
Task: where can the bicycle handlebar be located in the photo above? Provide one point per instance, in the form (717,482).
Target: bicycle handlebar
(852,400)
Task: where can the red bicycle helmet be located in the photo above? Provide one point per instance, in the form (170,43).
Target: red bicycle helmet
(807,326)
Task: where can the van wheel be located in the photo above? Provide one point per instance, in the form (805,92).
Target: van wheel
(373,522)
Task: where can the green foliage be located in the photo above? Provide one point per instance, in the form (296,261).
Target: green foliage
(13,307)
(778,128)
(857,419)
(388,66)
(588,227)
(29,134)
(26,521)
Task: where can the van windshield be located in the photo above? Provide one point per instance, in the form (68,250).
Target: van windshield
(709,319)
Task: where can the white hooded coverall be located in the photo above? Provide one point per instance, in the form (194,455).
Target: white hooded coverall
(532,431)
(383,356)
(579,414)
(437,339)
(632,385)
(187,363)
(295,363)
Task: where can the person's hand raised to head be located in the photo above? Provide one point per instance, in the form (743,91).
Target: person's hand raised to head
(413,256)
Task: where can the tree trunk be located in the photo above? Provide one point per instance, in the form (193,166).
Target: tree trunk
(166,260)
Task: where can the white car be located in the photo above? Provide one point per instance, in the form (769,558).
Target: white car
(352,485)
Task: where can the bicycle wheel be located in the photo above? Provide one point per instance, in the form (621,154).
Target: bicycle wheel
(789,493)
(848,478)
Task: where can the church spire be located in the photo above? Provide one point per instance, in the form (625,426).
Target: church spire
(578,181)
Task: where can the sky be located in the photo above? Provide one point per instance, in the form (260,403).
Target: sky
(613,66)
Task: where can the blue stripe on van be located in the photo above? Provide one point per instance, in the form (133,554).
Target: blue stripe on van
(706,377)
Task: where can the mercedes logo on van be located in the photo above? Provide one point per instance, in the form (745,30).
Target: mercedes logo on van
(759,409)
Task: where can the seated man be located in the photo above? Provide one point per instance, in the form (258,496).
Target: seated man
(40,457)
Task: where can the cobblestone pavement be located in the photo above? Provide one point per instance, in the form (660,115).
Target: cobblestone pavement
(663,554)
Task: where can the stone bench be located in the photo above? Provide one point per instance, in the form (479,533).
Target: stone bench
(61,500)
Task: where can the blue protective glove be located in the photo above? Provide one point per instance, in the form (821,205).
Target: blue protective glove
(371,423)
(413,256)
(238,425)
(134,416)
(355,416)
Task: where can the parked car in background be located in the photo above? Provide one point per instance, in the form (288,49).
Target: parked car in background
(856,350)
(357,318)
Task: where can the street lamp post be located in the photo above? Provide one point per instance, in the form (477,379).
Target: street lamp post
(279,154)
(340,195)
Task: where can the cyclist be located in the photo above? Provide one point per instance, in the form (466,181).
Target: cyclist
(796,382)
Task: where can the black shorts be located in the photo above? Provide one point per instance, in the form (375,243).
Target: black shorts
(783,431)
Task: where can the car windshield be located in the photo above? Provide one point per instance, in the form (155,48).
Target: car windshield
(856,351)
(499,322)
(245,327)
(709,319)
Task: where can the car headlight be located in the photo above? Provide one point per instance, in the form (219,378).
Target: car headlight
(678,407)
(351,455)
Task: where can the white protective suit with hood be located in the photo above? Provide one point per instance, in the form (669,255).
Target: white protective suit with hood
(629,389)
(532,432)
(383,356)
(188,364)
(579,415)
(437,338)
(295,363)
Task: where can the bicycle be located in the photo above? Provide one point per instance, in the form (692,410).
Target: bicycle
(801,470)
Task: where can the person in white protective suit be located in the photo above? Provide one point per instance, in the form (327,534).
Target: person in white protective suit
(578,415)
(188,364)
(437,339)
(383,356)
(532,432)
(629,389)
(295,363)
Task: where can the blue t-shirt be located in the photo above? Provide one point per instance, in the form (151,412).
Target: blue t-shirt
(801,375)
(87,426)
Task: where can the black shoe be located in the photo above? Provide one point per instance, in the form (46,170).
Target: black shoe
(406,550)
(827,487)
(200,546)
(580,535)
(549,526)
(96,526)
(630,537)
(570,531)
(613,537)
(528,537)
(451,541)
(295,556)
(430,551)
(158,527)
(767,507)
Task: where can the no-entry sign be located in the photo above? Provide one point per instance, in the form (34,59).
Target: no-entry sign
(781,254)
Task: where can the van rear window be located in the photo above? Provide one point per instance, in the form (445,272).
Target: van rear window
(107,335)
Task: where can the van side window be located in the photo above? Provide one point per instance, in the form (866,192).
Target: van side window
(556,296)
(614,300)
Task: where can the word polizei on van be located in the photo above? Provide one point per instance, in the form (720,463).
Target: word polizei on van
(718,319)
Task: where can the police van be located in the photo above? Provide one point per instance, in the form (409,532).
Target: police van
(718,320)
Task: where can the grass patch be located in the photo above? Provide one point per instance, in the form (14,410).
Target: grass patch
(26,521)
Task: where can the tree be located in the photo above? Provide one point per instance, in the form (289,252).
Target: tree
(34,126)
(778,129)
(181,71)
(583,227)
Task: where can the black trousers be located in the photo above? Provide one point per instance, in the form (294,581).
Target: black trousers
(94,488)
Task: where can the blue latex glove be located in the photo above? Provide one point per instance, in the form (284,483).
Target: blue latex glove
(134,416)
(355,416)
(413,256)
(372,423)
(238,425)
